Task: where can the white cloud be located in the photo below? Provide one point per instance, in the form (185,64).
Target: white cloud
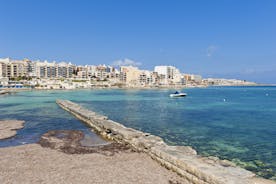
(126,62)
(211,50)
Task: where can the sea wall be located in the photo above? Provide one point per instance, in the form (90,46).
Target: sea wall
(181,159)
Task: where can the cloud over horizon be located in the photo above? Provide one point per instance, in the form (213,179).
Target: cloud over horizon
(211,49)
(126,62)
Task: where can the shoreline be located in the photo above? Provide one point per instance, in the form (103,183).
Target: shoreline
(181,159)
(60,157)
(14,90)
(32,163)
(212,160)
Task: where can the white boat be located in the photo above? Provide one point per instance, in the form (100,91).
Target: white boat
(177,94)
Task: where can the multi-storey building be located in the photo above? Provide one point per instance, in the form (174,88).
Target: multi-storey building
(54,70)
(192,78)
(196,78)
(4,66)
(169,74)
(145,77)
(101,72)
(65,70)
(13,68)
(91,71)
(46,70)
(81,72)
(129,74)
(162,75)
(30,68)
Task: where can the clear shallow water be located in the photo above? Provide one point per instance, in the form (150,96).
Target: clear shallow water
(41,114)
(235,123)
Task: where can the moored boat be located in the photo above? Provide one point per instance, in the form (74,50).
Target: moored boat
(177,94)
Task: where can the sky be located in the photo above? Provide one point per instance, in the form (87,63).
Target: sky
(214,38)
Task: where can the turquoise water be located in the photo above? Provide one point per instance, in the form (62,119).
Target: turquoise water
(234,123)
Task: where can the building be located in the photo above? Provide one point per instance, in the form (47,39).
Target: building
(127,75)
(170,74)
(53,70)
(81,72)
(65,70)
(130,75)
(46,70)
(1,70)
(3,67)
(196,78)
(101,72)
(91,71)
(13,68)
(30,68)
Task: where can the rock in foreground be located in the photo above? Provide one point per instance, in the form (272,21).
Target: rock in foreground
(34,164)
(8,128)
(68,141)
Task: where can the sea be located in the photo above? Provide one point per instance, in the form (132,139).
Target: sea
(234,123)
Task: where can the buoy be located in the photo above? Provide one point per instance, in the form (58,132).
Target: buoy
(224,99)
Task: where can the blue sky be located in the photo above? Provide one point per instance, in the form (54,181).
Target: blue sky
(215,38)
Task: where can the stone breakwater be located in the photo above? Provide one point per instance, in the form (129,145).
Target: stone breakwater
(181,159)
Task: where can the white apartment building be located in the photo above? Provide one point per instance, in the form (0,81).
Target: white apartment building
(196,78)
(13,68)
(171,74)
(145,77)
(91,70)
(1,70)
(31,68)
(65,70)
(101,72)
(54,70)
(3,66)
(82,74)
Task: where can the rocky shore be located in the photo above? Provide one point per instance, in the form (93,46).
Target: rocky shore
(69,141)
(183,160)
(32,163)
(60,158)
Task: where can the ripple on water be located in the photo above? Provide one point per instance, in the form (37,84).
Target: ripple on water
(241,129)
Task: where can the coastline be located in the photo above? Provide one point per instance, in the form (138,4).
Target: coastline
(32,163)
(54,95)
(13,90)
(180,159)
(59,157)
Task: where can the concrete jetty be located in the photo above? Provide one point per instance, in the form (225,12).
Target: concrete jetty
(181,159)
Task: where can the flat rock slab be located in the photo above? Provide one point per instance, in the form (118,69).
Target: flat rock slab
(69,141)
(8,128)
